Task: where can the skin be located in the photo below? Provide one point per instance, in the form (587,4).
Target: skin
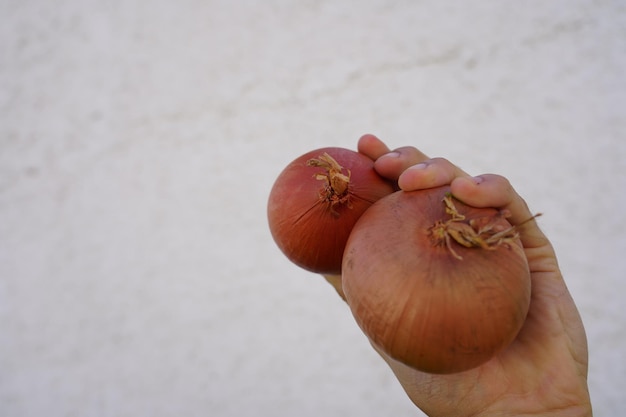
(544,371)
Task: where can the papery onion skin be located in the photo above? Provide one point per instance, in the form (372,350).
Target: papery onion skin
(419,303)
(310,231)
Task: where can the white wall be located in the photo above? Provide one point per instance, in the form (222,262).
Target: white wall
(139,141)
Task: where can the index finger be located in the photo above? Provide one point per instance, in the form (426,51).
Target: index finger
(492,190)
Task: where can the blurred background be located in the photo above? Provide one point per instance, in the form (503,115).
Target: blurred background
(139,141)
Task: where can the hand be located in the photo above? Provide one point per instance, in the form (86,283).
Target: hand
(544,371)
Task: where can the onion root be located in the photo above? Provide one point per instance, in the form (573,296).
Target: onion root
(481,232)
(335,191)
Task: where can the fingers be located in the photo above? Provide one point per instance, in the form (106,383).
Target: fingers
(415,171)
(429,173)
(393,164)
(389,164)
(372,147)
(491,190)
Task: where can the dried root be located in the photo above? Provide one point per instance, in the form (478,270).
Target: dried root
(335,189)
(482,232)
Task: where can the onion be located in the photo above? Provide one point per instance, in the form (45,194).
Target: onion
(315,202)
(434,283)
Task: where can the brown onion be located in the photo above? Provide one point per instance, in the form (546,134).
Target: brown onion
(315,202)
(434,283)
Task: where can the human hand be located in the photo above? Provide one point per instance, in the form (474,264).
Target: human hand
(544,370)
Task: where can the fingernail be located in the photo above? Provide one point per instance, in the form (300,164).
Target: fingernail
(478,180)
(421,165)
(393,154)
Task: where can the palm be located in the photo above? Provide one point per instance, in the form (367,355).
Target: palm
(544,368)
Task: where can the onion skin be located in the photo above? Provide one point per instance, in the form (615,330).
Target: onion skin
(421,304)
(310,226)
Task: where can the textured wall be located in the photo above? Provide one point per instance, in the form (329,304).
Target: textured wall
(138,143)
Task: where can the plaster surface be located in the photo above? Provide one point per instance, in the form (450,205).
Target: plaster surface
(139,141)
